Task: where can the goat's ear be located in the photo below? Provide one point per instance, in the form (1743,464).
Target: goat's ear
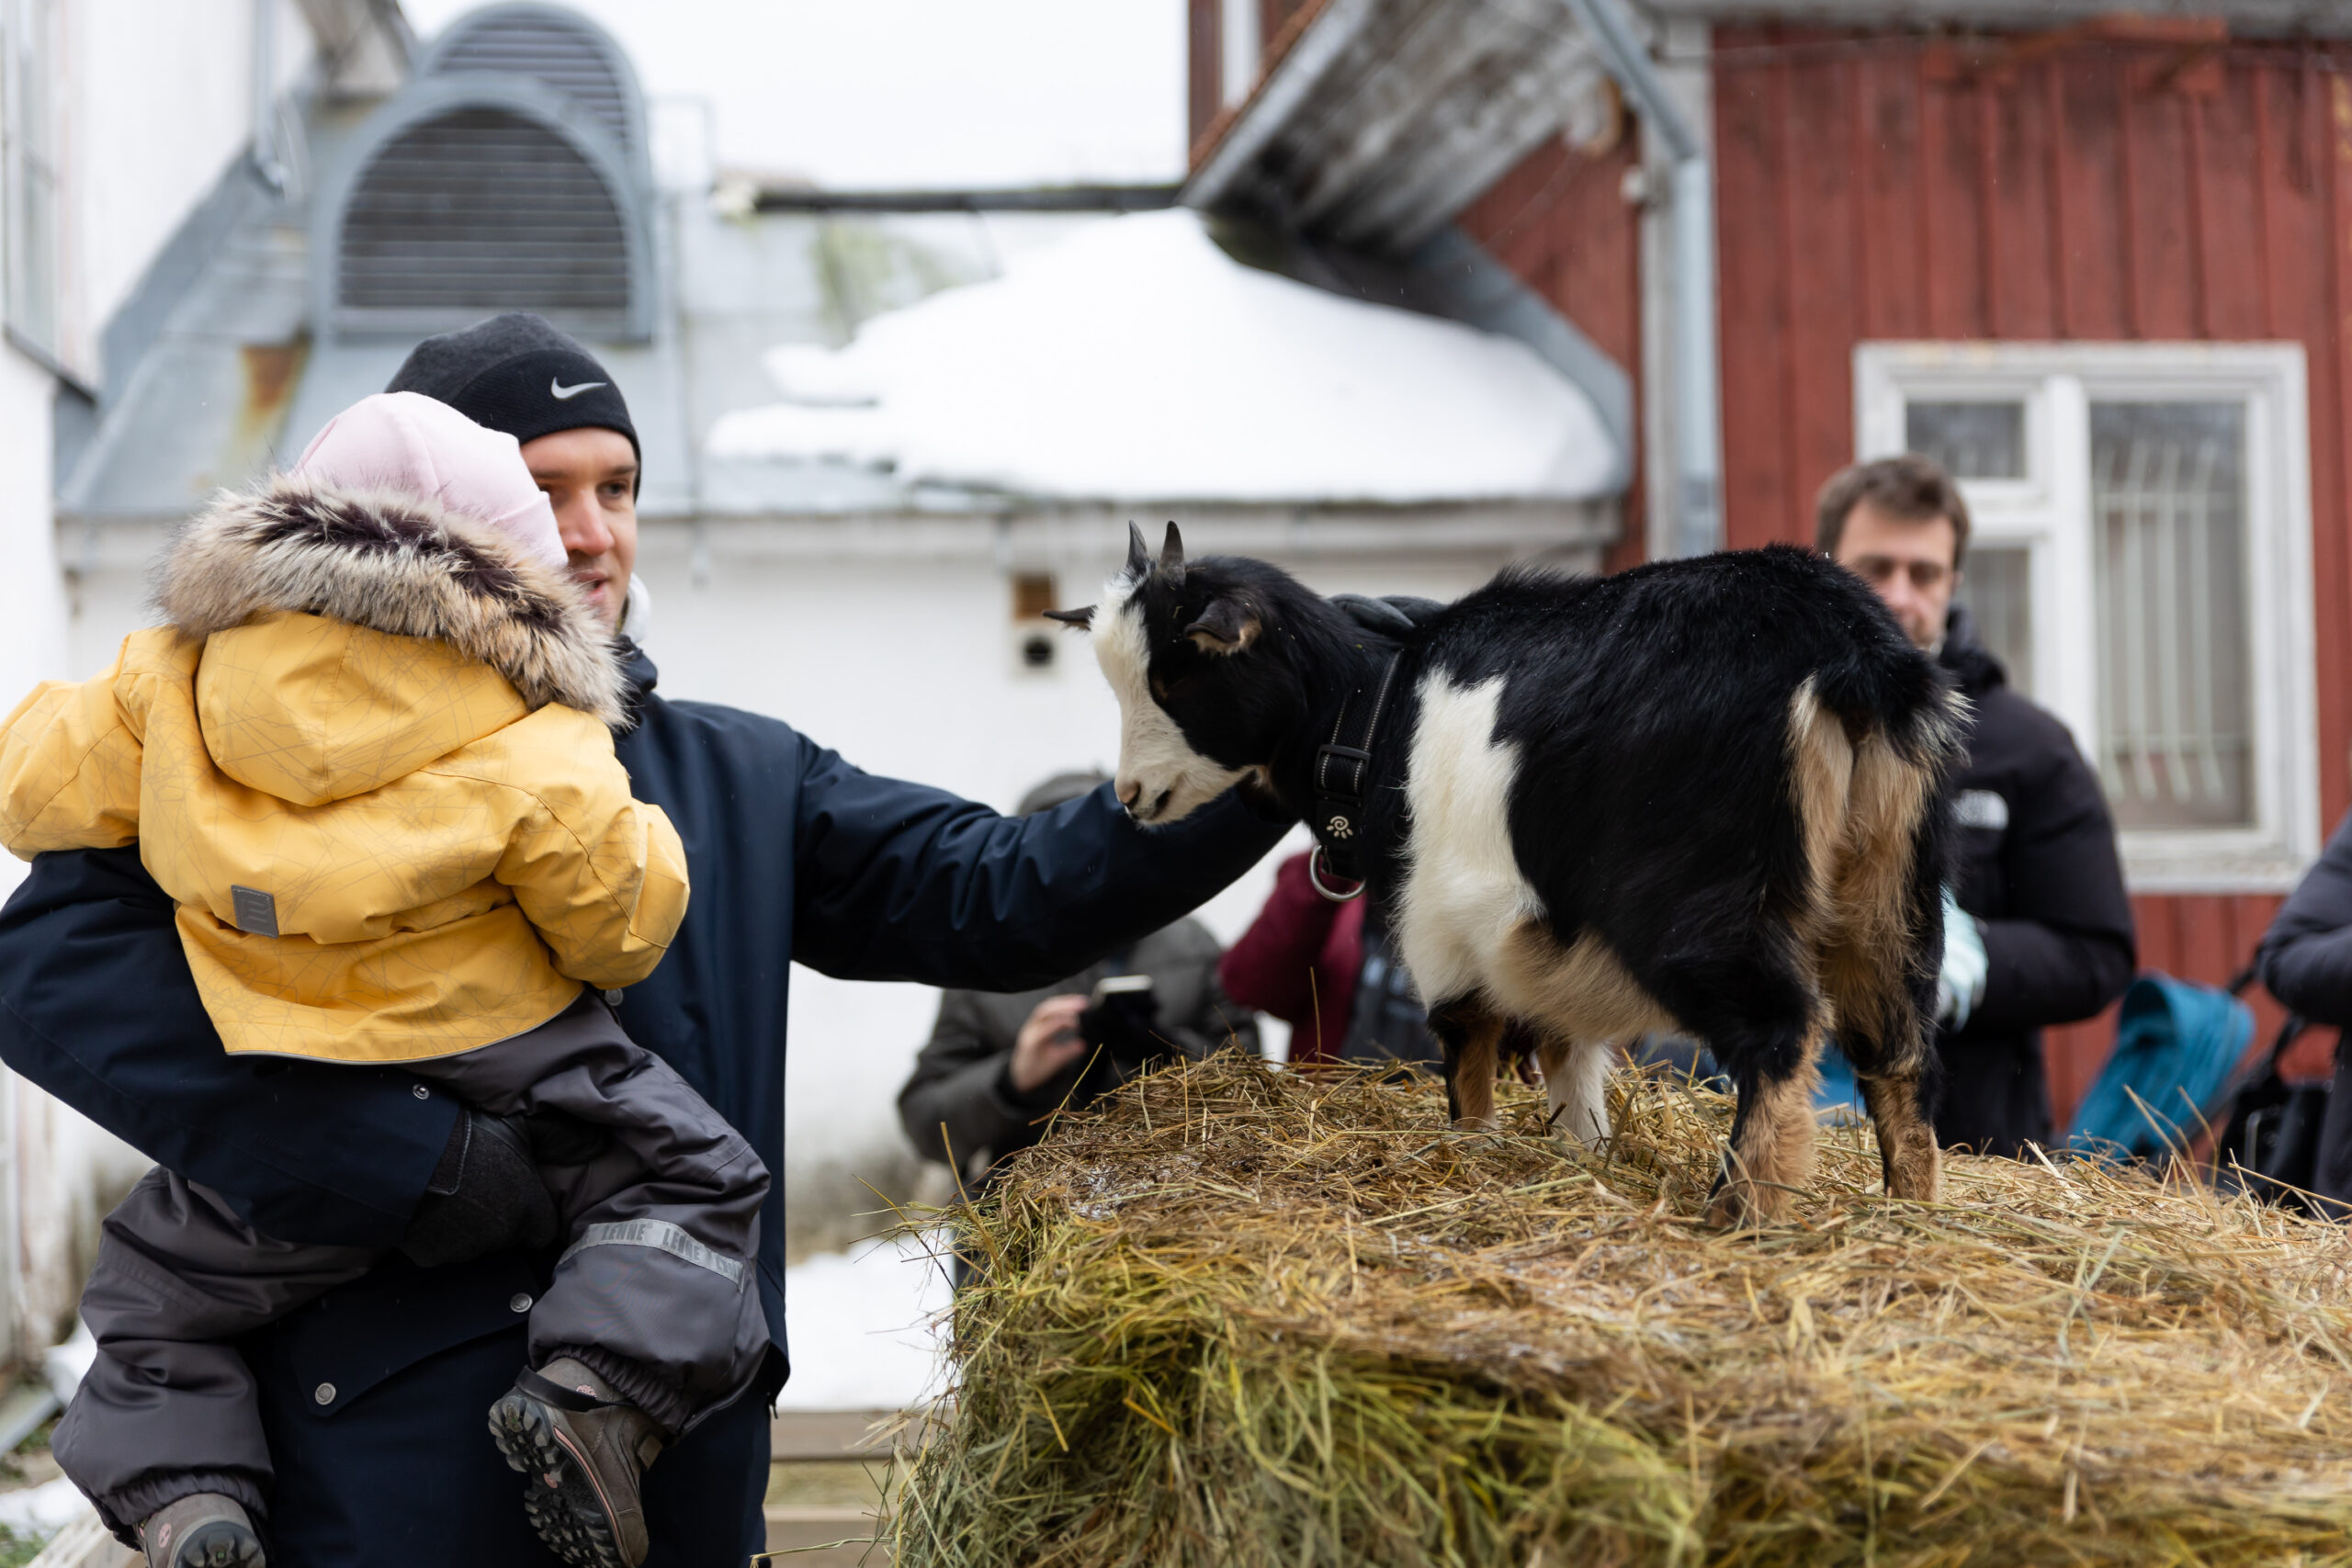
(1227,625)
(1172,557)
(1139,555)
(1082,616)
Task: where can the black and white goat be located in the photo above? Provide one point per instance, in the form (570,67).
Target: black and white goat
(1702,795)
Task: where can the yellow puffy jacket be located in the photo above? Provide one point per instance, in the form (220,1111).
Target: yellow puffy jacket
(369,757)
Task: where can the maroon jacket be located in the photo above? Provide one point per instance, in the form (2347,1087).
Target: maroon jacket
(1299,961)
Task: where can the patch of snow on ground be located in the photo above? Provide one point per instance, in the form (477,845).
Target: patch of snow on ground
(862,1329)
(1135,360)
(41,1511)
(63,1367)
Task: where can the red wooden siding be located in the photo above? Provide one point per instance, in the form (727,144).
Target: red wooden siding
(1895,187)
(1204,63)
(1561,222)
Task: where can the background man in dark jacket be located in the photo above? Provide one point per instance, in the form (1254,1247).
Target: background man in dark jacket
(999,1063)
(372,1397)
(2035,870)
(2306,962)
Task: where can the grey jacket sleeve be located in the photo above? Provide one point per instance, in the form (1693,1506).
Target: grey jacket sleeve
(2306,956)
(958,1103)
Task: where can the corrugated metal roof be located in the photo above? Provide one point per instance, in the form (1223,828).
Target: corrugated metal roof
(1385,118)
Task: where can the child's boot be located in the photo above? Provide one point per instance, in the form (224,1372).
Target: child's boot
(202,1529)
(585,1448)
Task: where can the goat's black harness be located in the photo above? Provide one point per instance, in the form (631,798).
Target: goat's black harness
(1343,766)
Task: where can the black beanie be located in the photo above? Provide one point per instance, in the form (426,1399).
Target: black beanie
(518,374)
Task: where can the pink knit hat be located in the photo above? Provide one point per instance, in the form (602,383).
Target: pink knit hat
(404,441)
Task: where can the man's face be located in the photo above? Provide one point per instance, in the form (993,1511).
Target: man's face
(590,478)
(1908,562)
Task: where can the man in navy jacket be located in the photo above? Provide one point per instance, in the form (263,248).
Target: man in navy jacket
(375,1395)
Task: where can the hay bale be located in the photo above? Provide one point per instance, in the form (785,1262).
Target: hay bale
(1241,1316)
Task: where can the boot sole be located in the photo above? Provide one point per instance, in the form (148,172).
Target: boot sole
(218,1544)
(566,1508)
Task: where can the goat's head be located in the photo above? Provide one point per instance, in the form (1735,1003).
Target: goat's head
(1205,696)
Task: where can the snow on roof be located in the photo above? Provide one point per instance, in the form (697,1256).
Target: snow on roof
(1135,360)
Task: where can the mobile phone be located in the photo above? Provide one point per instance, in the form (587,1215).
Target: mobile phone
(1118,985)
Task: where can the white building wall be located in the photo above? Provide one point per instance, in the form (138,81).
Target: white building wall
(156,100)
(152,101)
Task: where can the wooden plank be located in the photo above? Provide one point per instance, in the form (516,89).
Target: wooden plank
(2053,184)
(1796,287)
(2088,155)
(1203,65)
(1947,215)
(2231,242)
(839,1435)
(85,1543)
(1753,305)
(823,1538)
(2020,299)
(2163,262)
(1819,217)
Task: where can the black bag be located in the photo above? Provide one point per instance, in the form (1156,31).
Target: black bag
(2269,1145)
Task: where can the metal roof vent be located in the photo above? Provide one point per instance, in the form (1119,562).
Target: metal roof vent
(560,49)
(509,175)
(476,211)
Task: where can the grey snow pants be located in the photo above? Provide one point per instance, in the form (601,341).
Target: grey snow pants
(654,1292)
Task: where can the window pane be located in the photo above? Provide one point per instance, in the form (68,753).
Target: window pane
(2176,744)
(1998,588)
(1972,441)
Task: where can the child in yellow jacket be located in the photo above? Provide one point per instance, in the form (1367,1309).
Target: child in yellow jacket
(369,757)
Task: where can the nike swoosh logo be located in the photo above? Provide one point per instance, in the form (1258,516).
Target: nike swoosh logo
(561,393)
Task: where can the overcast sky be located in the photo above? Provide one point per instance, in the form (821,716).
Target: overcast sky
(857,94)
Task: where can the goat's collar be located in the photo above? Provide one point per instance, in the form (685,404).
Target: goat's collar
(1341,775)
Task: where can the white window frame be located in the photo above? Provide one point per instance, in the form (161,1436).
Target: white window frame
(2048,513)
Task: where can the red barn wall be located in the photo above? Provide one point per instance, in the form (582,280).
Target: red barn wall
(1895,187)
(1204,46)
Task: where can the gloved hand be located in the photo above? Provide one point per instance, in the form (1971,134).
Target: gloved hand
(485,1195)
(1960,984)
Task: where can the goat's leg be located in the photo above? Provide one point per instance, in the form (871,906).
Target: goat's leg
(1881,1027)
(1907,1151)
(1469,1033)
(1575,1083)
(1770,1153)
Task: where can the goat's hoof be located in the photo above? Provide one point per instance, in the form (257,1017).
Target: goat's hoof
(1740,1204)
(1478,1124)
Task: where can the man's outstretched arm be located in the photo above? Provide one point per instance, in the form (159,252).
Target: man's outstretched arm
(98,1006)
(898,881)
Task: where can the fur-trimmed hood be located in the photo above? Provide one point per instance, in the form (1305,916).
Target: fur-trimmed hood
(351,637)
(399,565)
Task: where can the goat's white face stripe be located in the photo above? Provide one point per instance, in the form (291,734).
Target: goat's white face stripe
(1463,892)
(1158,767)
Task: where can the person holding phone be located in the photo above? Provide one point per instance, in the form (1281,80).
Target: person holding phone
(998,1066)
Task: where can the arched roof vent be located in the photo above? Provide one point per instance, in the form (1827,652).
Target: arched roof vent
(560,49)
(475,190)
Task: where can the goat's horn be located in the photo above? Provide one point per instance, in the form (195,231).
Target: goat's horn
(1171,554)
(1082,616)
(1139,557)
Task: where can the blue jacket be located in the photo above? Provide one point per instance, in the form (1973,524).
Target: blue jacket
(794,855)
